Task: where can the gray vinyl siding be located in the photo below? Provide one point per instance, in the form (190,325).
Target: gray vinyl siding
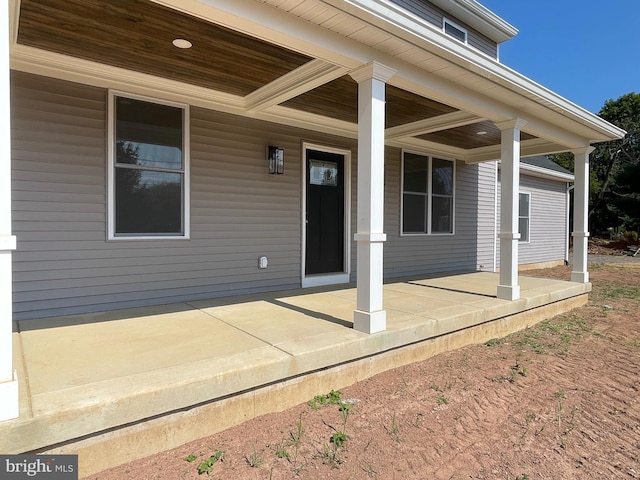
(434,16)
(417,254)
(547,224)
(65,265)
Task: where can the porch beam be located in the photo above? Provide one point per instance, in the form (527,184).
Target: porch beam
(304,78)
(8,381)
(528,148)
(580,233)
(508,288)
(433,124)
(369,316)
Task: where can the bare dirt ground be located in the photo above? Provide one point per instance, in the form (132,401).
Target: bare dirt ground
(560,400)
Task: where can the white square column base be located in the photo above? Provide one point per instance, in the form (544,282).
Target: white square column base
(509,292)
(9,403)
(370,322)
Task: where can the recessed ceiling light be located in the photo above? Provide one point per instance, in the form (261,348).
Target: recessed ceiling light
(182,43)
(482,132)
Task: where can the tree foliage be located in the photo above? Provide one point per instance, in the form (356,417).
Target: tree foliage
(615,170)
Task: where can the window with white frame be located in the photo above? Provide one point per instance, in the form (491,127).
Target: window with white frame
(148,169)
(454,30)
(427,194)
(524,216)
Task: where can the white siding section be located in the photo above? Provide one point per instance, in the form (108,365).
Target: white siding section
(548,223)
(65,265)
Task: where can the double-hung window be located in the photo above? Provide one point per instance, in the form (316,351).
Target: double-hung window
(427,194)
(524,216)
(148,169)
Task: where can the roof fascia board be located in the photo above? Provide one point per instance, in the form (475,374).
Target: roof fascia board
(479,17)
(432,124)
(533,171)
(428,148)
(528,148)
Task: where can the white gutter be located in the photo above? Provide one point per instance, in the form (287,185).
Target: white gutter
(535,171)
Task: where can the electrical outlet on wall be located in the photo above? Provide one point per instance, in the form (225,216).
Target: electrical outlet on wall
(263,262)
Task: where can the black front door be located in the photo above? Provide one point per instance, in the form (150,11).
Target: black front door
(325,213)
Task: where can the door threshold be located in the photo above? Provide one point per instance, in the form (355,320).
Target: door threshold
(324,279)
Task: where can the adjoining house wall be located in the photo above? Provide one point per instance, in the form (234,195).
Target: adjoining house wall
(434,16)
(65,265)
(548,227)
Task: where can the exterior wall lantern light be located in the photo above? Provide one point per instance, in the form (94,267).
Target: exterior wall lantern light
(275,156)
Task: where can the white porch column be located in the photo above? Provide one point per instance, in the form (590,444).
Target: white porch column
(8,381)
(580,214)
(369,316)
(508,288)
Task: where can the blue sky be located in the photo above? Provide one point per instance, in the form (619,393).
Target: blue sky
(588,51)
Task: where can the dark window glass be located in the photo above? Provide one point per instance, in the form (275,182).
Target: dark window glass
(442,174)
(148,134)
(149,169)
(442,215)
(148,202)
(414,213)
(427,207)
(416,168)
(455,32)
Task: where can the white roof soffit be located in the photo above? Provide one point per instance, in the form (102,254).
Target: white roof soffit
(478,17)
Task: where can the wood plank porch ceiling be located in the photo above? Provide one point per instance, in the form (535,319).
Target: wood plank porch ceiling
(137,35)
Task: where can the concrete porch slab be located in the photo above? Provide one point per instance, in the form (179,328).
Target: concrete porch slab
(110,382)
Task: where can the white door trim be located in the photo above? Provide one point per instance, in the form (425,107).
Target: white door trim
(345,275)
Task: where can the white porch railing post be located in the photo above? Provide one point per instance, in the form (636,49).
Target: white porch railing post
(369,316)
(508,288)
(8,381)
(580,233)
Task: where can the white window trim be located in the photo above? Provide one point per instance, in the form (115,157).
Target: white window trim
(429,197)
(186,205)
(446,21)
(528,240)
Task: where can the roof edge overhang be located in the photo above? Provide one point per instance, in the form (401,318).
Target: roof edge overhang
(479,17)
(421,34)
(539,172)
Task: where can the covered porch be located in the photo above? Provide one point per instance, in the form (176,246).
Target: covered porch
(393,82)
(180,371)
